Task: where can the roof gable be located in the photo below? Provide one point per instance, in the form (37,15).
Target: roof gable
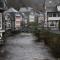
(12,10)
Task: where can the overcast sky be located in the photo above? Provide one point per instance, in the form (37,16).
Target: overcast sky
(37,4)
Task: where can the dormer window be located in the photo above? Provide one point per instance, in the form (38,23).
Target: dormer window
(54,14)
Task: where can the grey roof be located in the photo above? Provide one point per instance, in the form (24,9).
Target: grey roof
(12,10)
(51,9)
(51,5)
(25,9)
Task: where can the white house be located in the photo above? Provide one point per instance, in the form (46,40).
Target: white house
(52,14)
(28,15)
(32,16)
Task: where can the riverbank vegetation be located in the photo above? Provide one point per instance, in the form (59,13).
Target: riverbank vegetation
(51,39)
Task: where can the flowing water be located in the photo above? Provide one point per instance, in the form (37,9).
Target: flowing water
(22,47)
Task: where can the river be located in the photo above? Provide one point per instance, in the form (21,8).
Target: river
(23,47)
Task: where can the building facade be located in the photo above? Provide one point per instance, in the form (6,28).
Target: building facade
(3,7)
(52,14)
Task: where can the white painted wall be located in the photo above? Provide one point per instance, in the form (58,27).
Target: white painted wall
(31,18)
(53,18)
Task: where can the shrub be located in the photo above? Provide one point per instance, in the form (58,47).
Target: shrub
(53,41)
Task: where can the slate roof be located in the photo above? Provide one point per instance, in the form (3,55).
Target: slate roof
(25,9)
(12,10)
(51,9)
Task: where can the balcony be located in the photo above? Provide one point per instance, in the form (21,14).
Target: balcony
(53,18)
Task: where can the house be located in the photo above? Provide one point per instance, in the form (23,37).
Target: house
(7,20)
(18,20)
(27,12)
(41,19)
(3,7)
(15,19)
(24,19)
(52,14)
(32,16)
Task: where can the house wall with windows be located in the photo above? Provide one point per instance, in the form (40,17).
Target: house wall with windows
(18,20)
(28,15)
(53,20)
(52,14)
(7,21)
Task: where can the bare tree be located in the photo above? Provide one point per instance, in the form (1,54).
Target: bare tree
(36,4)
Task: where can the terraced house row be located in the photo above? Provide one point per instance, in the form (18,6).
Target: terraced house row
(12,20)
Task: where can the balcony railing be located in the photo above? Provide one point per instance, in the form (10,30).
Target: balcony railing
(53,18)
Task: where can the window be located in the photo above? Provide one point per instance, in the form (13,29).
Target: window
(49,14)
(54,14)
(58,14)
